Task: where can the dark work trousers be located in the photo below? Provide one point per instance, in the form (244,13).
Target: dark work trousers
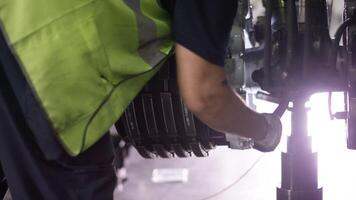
(32,172)
(31,176)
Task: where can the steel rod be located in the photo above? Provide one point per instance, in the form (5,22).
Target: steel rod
(268,44)
(307,38)
(292,33)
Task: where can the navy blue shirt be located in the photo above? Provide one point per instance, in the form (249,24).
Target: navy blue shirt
(203,26)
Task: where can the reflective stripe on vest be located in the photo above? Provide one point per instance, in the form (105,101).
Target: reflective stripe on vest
(86,59)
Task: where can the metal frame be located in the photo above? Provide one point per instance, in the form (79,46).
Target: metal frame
(299,163)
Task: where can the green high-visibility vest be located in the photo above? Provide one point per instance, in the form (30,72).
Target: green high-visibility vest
(86,60)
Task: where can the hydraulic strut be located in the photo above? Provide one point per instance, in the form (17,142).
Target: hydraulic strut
(299,163)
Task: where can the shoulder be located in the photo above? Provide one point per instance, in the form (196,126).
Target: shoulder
(204,26)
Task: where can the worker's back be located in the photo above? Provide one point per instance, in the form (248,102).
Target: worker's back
(86,60)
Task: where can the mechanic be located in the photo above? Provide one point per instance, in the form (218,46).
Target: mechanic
(69,69)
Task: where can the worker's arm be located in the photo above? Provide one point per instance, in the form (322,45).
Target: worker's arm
(201,29)
(206,93)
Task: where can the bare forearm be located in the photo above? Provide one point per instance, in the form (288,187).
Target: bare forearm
(228,113)
(204,90)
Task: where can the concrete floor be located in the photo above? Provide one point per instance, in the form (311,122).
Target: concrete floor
(209,176)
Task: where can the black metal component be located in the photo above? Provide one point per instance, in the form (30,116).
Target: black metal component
(299,163)
(292,34)
(158,124)
(307,38)
(281,109)
(162,152)
(131,127)
(299,195)
(188,121)
(338,35)
(349,40)
(207,145)
(351,125)
(268,44)
(180,151)
(198,150)
(145,153)
(149,114)
(168,113)
(353,49)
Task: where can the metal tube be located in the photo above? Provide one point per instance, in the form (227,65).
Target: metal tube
(292,33)
(338,35)
(299,163)
(268,44)
(307,38)
(299,139)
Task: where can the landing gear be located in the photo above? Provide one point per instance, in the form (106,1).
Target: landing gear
(299,163)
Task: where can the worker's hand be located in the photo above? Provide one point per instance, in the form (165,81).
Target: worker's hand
(273,135)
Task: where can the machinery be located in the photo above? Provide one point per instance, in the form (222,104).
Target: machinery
(286,55)
(289,55)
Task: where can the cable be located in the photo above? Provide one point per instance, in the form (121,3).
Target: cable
(338,35)
(331,114)
(236,181)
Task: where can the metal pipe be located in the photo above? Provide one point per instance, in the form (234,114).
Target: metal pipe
(281,109)
(292,33)
(299,163)
(307,38)
(299,125)
(338,35)
(268,44)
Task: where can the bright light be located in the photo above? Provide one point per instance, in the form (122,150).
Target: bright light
(326,133)
(336,164)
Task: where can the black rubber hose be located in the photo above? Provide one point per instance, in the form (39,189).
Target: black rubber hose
(338,35)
